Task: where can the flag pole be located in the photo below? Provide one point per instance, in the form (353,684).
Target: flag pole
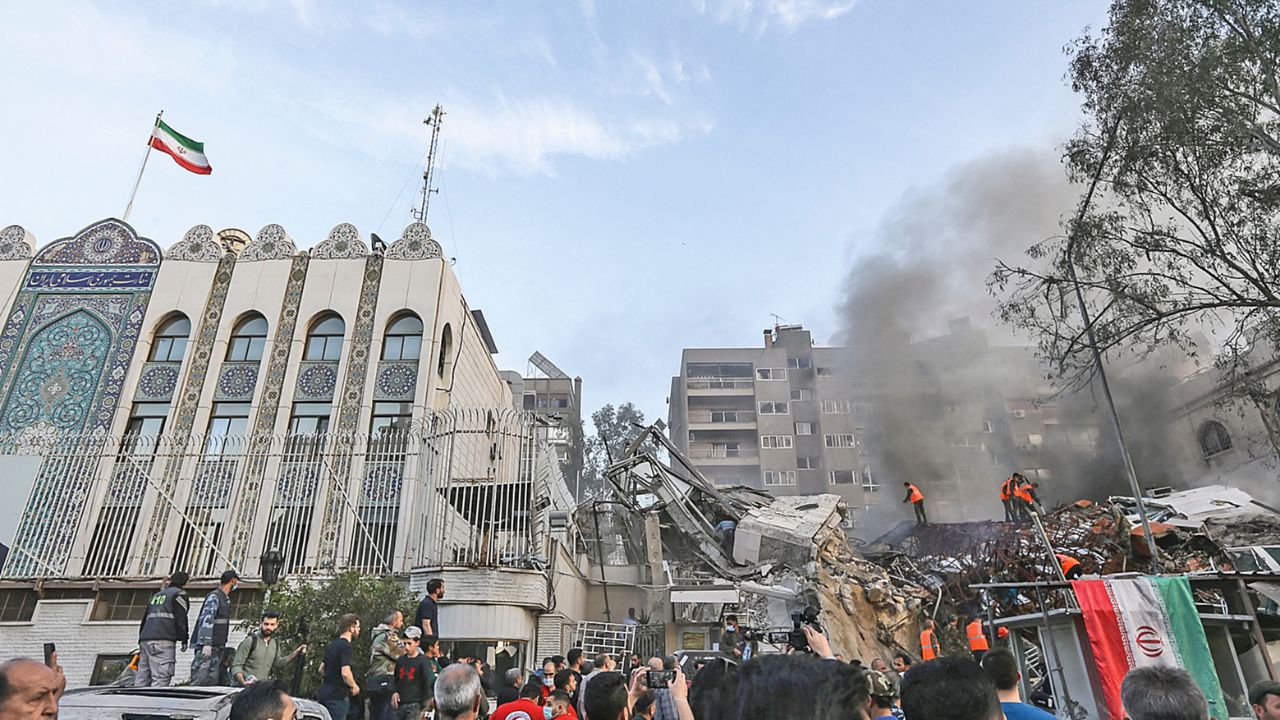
(129,208)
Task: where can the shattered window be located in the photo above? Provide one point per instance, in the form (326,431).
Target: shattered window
(841,477)
(801,394)
(798,363)
(779,477)
(1214,438)
(773,408)
(869,483)
(807,463)
(718,370)
(840,441)
(771,373)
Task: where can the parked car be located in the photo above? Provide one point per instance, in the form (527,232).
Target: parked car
(157,703)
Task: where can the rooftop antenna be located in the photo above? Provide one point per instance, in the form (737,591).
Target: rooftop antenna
(434,121)
(777,320)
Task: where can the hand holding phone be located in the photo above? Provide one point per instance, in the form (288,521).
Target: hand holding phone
(51,655)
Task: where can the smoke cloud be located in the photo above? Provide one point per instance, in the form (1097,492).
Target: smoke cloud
(941,416)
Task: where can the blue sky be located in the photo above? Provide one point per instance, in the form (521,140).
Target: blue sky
(618,179)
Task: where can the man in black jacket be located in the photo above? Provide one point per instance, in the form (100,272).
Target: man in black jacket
(164,625)
(209,639)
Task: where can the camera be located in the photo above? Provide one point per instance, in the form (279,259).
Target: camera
(796,638)
(658,679)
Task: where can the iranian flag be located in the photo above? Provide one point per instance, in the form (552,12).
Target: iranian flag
(186,152)
(1142,622)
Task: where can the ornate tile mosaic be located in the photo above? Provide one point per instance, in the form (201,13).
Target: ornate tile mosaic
(198,245)
(237,381)
(157,381)
(188,403)
(396,380)
(268,410)
(16,243)
(382,482)
(415,243)
(350,401)
(343,242)
(65,350)
(316,381)
(272,243)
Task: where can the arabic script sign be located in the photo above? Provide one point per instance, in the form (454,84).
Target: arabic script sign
(89,279)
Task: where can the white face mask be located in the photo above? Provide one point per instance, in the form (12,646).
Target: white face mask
(730,628)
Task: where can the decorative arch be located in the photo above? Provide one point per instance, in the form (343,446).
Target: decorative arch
(169,339)
(248,338)
(197,245)
(106,242)
(402,339)
(16,243)
(343,242)
(58,374)
(415,243)
(1214,438)
(272,243)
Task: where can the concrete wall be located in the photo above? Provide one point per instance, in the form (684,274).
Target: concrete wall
(80,641)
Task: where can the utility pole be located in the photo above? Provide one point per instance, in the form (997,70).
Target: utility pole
(435,120)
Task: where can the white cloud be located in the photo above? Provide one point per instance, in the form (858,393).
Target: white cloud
(759,15)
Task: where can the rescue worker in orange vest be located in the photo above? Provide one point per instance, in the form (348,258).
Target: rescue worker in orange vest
(1024,498)
(1006,497)
(1071,568)
(916,498)
(929,647)
(978,644)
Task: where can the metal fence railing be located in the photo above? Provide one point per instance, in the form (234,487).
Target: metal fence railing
(455,488)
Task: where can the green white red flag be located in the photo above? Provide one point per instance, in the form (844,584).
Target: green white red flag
(1142,622)
(186,152)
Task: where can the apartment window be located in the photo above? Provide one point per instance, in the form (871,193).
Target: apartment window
(987,427)
(725,450)
(17,605)
(730,416)
(842,477)
(861,411)
(834,407)
(310,419)
(403,339)
(1035,439)
(146,425)
(804,428)
(826,371)
(801,394)
(799,363)
(228,420)
(530,401)
(324,342)
(779,477)
(807,463)
(840,441)
(248,339)
(775,442)
(771,373)
(1214,438)
(171,339)
(773,408)
(869,483)
(718,370)
(121,604)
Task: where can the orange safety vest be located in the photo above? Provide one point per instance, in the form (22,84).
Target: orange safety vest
(914,494)
(1023,492)
(1006,490)
(1066,562)
(929,647)
(977,640)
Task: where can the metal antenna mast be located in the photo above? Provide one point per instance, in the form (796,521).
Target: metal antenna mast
(435,120)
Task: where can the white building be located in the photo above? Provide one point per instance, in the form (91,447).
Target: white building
(195,407)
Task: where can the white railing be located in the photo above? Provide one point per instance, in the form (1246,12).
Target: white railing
(722,416)
(457,488)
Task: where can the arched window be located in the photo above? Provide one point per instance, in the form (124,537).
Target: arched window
(171,339)
(446,350)
(403,340)
(248,339)
(1214,438)
(324,342)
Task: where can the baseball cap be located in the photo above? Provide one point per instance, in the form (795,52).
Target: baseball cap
(413,631)
(881,685)
(1261,688)
(230,575)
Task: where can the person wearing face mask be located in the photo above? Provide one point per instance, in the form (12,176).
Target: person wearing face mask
(731,638)
(259,657)
(209,638)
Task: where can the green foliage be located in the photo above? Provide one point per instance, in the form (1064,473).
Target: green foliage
(322,603)
(615,429)
(1181,142)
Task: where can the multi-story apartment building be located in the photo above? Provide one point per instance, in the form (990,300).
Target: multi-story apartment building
(555,400)
(781,417)
(953,414)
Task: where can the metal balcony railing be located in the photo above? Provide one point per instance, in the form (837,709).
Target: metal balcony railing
(722,416)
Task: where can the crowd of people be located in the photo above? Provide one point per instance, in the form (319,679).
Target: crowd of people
(409,678)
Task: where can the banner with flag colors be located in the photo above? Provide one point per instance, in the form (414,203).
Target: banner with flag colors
(1140,622)
(186,152)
